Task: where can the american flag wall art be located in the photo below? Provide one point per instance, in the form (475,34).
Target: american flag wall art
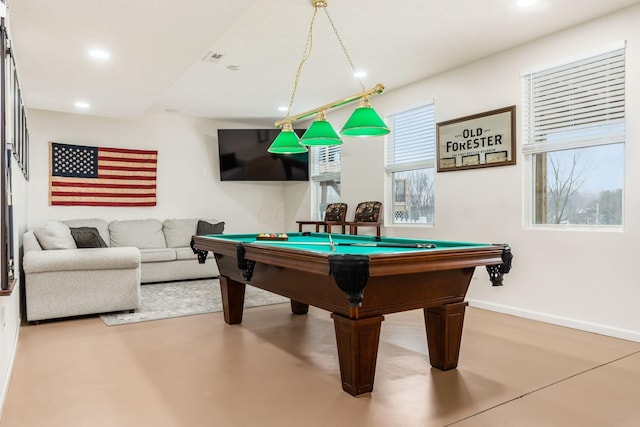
(81,175)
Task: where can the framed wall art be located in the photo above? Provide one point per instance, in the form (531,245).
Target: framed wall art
(477,141)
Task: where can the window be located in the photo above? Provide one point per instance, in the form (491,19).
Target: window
(574,124)
(325,175)
(410,165)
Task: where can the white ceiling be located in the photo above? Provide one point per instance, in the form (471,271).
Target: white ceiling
(157,48)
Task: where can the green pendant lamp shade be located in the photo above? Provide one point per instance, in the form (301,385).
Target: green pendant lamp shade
(287,142)
(320,133)
(365,122)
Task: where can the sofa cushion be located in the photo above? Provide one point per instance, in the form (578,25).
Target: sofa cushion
(141,233)
(157,254)
(30,242)
(205,227)
(99,224)
(185,253)
(54,235)
(178,232)
(81,260)
(87,237)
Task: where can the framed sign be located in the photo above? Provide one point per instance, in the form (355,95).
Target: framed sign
(478,141)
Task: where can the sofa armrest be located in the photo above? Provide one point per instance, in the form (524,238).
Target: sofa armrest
(81,259)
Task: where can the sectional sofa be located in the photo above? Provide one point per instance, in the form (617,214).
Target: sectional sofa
(89,266)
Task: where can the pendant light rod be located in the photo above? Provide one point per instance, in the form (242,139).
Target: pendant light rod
(377,90)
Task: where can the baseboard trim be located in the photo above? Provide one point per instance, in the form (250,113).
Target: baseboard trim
(625,334)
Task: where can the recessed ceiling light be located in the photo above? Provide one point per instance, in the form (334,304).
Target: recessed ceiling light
(283,108)
(526,3)
(360,74)
(99,54)
(81,104)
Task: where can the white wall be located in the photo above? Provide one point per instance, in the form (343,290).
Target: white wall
(581,279)
(10,305)
(188,175)
(9,327)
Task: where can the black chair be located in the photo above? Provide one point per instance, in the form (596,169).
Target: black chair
(334,215)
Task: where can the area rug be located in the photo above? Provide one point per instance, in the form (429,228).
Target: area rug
(175,299)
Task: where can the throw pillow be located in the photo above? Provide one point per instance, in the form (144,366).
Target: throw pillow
(54,235)
(205,227)
(87,237)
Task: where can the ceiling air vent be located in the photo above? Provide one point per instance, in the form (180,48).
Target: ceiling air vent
(212,57)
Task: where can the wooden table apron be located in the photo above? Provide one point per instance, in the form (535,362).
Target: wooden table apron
(436,282)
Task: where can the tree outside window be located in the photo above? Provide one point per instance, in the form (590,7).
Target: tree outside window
(410,165)
(574,122)
(581,186)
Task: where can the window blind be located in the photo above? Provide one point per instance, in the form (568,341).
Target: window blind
(325,161)
(579,104)
(412,140)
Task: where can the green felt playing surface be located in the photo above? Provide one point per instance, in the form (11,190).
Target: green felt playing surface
(319,242)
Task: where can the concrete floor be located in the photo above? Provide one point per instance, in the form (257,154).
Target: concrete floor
(277,369)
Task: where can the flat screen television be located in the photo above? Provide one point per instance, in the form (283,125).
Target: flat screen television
(244,157)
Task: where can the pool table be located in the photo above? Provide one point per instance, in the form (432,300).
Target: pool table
(358,279)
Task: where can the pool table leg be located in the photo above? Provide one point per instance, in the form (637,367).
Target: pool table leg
(357,341)
(444,334)
(299,307)
(232,300)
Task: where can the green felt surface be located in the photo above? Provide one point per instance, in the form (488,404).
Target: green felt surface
(322,240)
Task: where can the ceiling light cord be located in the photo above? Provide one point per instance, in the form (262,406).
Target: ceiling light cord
(306,54)
(344,48)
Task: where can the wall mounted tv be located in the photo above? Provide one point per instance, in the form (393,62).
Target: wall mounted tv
(244,157)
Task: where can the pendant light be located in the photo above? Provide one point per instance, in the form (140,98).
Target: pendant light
(287,142)
(320,133)
(363,122)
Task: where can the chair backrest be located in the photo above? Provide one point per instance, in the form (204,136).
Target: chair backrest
(368,212)
(336,212)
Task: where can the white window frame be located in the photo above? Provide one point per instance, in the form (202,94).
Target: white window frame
(530,149)
(325,165)
(391,167)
